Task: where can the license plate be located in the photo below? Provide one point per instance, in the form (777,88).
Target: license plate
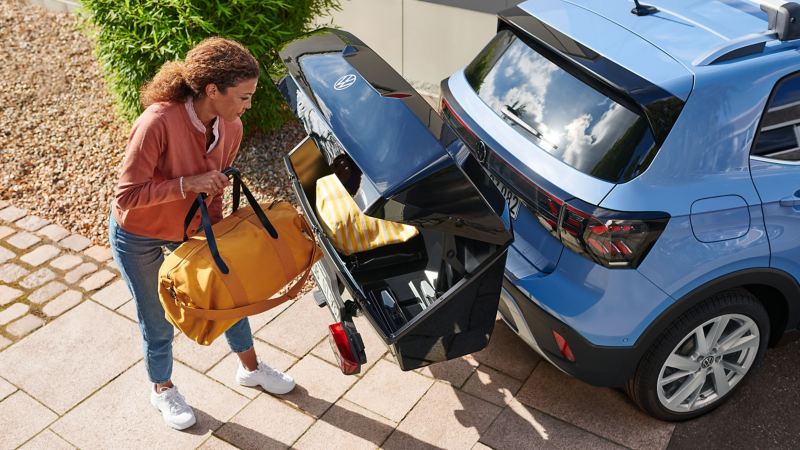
(326,286)
(511,197)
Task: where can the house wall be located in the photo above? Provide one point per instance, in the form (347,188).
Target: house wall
(424,40)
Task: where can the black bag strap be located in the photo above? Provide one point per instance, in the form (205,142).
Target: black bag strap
(199,203)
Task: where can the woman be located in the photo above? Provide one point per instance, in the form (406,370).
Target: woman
(189,131)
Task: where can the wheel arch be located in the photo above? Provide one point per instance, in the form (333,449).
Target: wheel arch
(775,289)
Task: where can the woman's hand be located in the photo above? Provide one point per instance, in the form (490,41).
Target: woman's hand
(212,183)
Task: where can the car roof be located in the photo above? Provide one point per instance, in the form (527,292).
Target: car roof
(583,27)
(687,30)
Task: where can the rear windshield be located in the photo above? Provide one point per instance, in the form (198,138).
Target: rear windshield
(560,113)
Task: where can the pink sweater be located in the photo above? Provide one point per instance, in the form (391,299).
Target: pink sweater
(163,146)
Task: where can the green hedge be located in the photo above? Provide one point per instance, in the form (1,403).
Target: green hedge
(134,38)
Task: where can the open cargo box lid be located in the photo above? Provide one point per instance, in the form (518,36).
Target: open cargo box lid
(400,162)
(396,157)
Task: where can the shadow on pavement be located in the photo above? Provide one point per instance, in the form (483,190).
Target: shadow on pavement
(763,413)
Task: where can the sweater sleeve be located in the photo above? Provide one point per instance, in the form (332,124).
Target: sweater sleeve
(137,187)
(215,208)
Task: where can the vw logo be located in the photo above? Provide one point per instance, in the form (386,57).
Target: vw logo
(480,151)
(707,362)
(344,82)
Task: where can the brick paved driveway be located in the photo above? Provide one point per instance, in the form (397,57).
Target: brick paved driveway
(71,375)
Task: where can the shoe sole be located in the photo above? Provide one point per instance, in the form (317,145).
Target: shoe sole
(267,390)
(172,425)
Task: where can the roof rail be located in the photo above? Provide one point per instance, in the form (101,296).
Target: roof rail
(784,25)
(736,48)
(784,18)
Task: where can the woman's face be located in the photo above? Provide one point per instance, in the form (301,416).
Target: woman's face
(235,101)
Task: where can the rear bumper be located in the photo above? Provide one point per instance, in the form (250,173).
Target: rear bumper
(596,365)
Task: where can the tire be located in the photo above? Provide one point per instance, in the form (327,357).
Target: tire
(678,379)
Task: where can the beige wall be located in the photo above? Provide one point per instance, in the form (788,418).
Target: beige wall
(423,41)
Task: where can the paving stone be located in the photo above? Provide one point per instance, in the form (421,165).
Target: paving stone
(456,371)
(605,412)
(199,357)
(521,427)
(47,440)
(112,265)
(347,425)
(24,326)
(79,272)
(319,385)
(75,242)
(225,370)
(21,418)
(5,255)
(215,443)
(31,223)
(284,333)
(106,343)
(6,231)
(98,253)
(40,255)
(114,295)
(97,280)
(62,303)
(4,203)
(37,278)
(129,310)
(47,292)
(66,262)
(6,389)
(492,386)
(508,353)
(4,342)
(54,232)
(120,415)
(374,346)
(444,418)
(388,391)
(258,321)
(11,214)
(266,423)
(13,312)
(8,294)
(23,240)
(11,272)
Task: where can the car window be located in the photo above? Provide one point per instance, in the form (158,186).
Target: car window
(779,135)
(563,115)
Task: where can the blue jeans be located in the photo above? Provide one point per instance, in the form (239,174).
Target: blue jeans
(139,259)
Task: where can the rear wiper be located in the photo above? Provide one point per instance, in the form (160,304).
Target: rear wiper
(508,112)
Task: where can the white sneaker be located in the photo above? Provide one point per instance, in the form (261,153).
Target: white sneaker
(177,414)
(273,381)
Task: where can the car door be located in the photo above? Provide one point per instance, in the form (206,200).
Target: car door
(403,164)
(775,168)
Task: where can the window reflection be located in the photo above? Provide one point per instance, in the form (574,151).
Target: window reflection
(559,112)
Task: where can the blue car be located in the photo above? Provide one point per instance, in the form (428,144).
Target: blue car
(620,181)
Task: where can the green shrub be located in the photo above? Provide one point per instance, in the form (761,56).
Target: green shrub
(134,38)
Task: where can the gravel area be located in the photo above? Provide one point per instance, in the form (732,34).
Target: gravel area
(61,142)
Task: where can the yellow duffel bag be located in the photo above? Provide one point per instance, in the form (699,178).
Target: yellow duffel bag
(233,269)
(349,229)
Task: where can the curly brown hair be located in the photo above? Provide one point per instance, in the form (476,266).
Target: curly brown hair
(216,60)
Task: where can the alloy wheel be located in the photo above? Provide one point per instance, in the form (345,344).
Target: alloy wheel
(708,362)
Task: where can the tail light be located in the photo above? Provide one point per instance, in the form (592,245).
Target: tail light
(347,347)
(611,238)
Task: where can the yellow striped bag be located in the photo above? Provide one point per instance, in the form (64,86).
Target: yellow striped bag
(351,231)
